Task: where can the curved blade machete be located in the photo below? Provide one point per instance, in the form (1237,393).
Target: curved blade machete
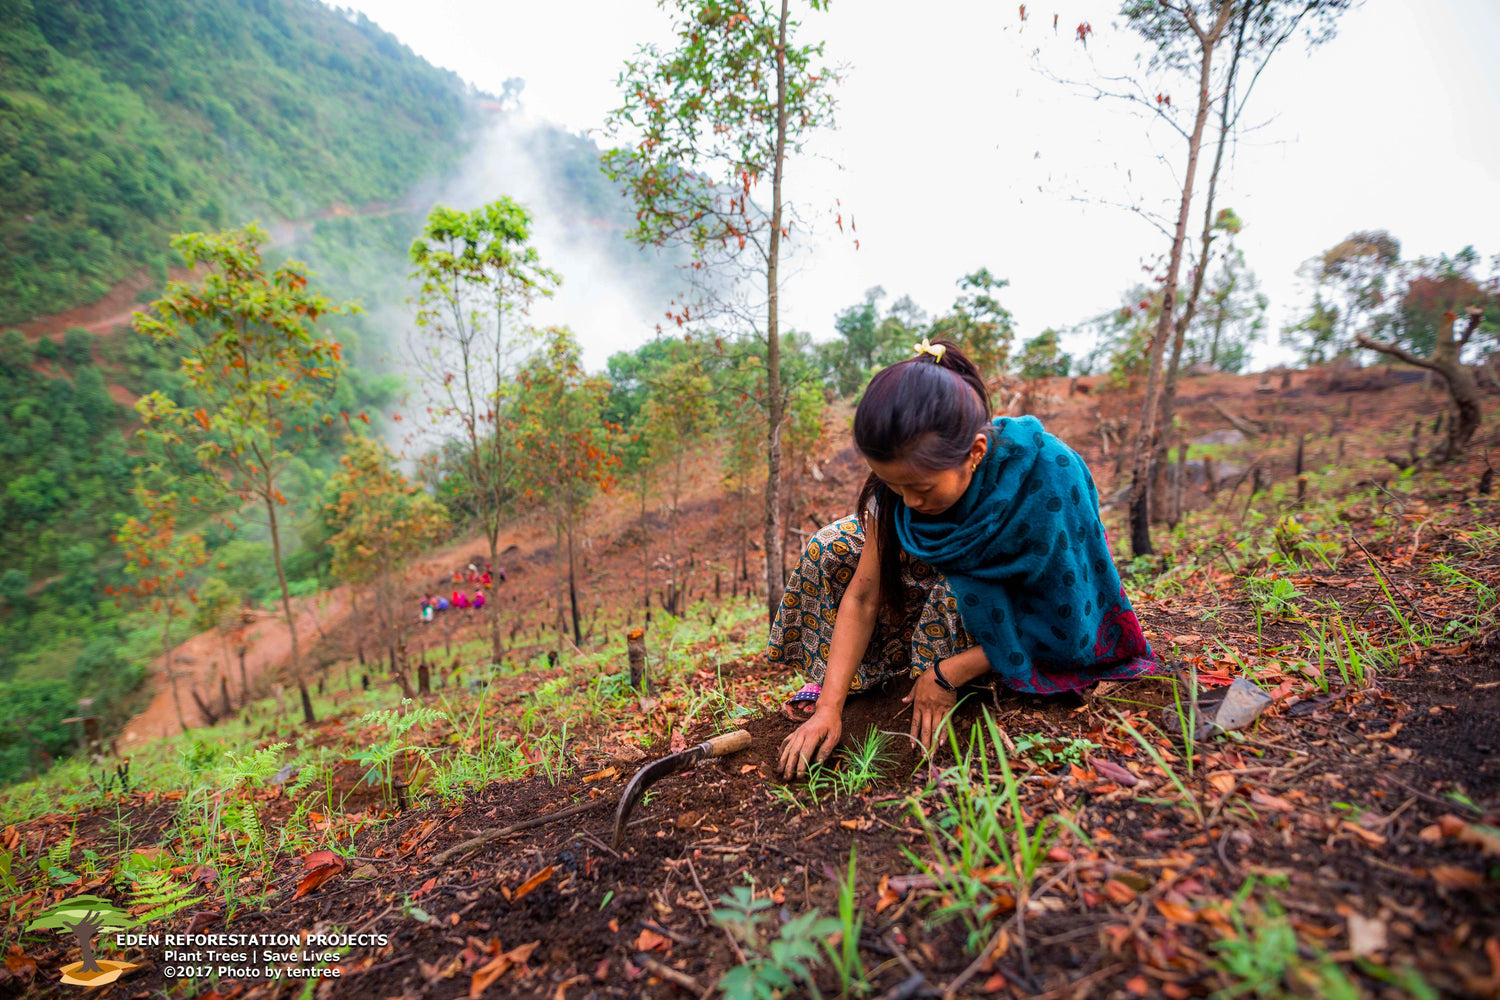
(649,775)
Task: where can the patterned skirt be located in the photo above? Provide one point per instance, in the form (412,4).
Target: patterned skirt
(928,631)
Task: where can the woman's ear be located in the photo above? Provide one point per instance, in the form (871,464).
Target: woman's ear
(979,447)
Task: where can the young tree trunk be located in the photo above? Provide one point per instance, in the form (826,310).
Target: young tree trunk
(573,584)
(1200,272)
(1145,443)
(492,606)
(774,581)
(359,623)
(286,604)
(166,652)
(645,551)
(244,680)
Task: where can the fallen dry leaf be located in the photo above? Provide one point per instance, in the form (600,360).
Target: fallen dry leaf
(1273,802)
(1116,773)
(498,966)
(1366,935)
(1454,877)
(1486,838)
(19,963)
(649,940)
(527,886)
(678,742)
(1119,893)
(315,878)
(1368,836)
(1450,825)
(1177,913)
(608,772)
(888,896)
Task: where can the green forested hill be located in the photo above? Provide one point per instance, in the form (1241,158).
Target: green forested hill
(123,121)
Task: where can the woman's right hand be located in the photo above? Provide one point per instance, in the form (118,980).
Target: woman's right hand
(814,740)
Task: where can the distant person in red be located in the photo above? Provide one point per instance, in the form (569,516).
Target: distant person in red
(485,579)
(458,576)
(460,599)
(478,600)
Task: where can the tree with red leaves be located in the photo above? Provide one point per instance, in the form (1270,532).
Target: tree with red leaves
(256,360)
(565,449)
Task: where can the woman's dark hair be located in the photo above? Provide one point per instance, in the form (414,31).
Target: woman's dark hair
(924,410)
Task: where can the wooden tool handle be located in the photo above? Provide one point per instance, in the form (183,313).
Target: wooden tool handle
(728,743)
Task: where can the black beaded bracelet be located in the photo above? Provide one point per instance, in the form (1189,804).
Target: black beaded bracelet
(942,681)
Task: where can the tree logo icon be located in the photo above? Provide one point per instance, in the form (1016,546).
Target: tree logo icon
(85,916)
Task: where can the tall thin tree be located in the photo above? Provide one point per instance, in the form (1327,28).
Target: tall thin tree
(709,120)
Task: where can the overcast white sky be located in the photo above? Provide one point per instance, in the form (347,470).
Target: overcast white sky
(954,152)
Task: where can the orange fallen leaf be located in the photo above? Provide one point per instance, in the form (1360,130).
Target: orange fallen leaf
(1119,893)
(1486,838)
(527,886)
(1454,877)
(1273,802)
(19,963)
(1138,985)
(888,896)
(1368,836)
(315,878)
(746,769)
(1177,913)
(498,966)
(608,772)
(319,859)
(649,940)
(1450,825)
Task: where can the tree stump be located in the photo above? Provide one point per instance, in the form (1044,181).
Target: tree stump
(424,679)
(635,648)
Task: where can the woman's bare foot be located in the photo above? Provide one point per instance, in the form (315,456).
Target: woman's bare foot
(798,710)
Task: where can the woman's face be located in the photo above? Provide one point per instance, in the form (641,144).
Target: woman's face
(928,492)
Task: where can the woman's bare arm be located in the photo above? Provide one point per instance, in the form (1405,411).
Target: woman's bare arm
(816,738)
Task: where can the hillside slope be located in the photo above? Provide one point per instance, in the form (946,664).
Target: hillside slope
(121,123)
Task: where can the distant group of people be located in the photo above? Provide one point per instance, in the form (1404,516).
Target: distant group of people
(460,599)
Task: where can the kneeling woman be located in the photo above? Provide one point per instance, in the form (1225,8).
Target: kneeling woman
(977,547)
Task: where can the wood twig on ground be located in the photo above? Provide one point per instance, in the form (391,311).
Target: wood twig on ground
(662,971)
(506,831)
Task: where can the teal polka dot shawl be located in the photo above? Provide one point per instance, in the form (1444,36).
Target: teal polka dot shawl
(1025,554)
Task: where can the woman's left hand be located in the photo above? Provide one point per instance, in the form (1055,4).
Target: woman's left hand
(930,706)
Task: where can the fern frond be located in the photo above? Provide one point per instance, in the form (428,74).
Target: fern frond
(156,896)
(250,824)
(258,767)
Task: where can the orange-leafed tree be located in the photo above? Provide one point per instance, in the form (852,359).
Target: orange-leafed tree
(159,559)
(257,364)
(379,521)
(566,449)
